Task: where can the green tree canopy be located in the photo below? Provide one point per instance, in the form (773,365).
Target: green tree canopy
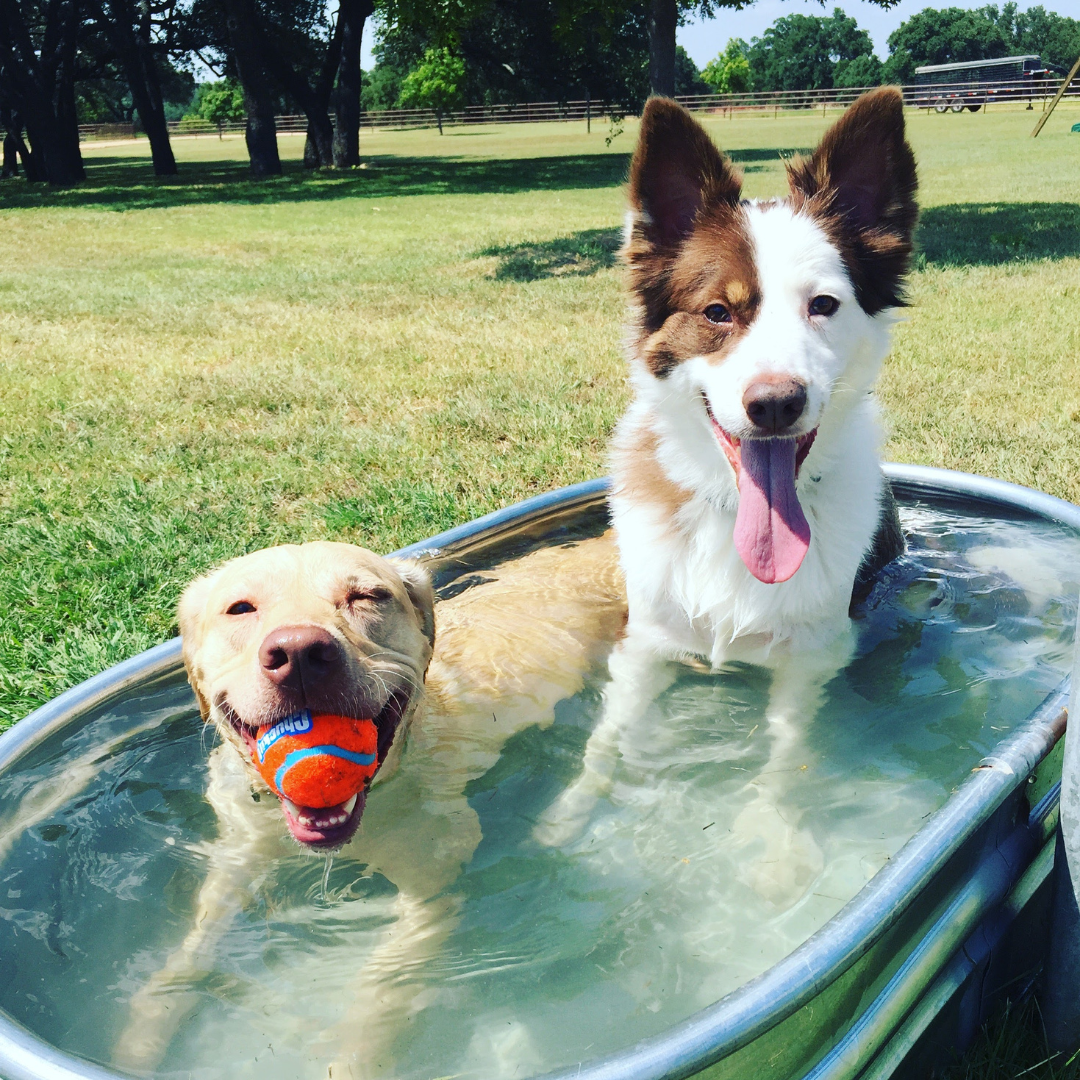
(688,79)
(437,82)
(524,50)
(943,36)
(218,102)
(1055,38)
(804,52)
(864,70)
(729,73)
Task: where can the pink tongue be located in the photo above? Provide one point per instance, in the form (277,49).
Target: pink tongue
(771,531)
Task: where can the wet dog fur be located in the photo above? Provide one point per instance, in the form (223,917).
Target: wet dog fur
(512,646)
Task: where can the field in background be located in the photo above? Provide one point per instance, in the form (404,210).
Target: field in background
(200,366)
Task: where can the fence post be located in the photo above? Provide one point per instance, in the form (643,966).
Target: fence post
(1061,998)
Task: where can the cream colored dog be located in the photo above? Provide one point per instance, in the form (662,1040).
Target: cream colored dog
(334,628)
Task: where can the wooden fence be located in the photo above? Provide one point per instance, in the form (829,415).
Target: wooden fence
(942,97)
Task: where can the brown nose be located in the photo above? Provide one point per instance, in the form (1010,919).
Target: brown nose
(774,403)
(298,656)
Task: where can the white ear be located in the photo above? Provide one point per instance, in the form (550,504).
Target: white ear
(418,585)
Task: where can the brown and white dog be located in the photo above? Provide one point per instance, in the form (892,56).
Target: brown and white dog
(748,498)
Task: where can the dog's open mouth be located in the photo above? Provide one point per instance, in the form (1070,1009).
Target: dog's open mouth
(771,534)
(328,827)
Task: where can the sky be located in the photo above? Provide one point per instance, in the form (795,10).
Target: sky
(704,38)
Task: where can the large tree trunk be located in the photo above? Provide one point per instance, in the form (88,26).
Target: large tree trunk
(261,132)
(314,101)
(11,157)
(11,146)
(132,45)
(145,87)
(152,115)
(39,83)
(67,113)
(319,147)
(352,14)
(33,159)
(50,138)
(663,19)
(31,163)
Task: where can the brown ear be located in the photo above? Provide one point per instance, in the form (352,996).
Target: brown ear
(189,614)
(675,171)
(418,585)
(862,180)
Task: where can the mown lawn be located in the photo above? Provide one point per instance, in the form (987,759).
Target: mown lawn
(197,367)
(194,368)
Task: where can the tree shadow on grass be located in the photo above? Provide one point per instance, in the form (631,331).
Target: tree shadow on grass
(578,255)
(771,154)
(991,234)
(128,183)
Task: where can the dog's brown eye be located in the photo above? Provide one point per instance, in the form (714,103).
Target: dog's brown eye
(824,305)
(375,595)
(717,313)
(241,607)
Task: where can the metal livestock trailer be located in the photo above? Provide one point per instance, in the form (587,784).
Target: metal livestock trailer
(971,85)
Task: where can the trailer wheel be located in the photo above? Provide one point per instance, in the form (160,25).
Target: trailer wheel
(957,106)
(974,108)
(941,105)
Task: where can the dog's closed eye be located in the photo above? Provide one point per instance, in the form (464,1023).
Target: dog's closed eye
(374,595)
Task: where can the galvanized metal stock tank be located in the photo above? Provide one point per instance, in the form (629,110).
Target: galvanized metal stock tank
(907,967)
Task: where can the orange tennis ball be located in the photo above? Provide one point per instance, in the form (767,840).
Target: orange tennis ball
(317,761)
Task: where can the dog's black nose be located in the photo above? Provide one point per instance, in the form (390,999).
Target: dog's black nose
(774,403)
(293,656)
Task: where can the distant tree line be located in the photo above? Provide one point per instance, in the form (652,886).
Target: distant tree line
(63,62)
(66,61)
(814,52)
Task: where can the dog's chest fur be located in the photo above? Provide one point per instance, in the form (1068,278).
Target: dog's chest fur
(687,585)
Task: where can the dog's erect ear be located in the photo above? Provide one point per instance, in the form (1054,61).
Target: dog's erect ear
(675,171)
(418,585)
(862,176)
(189,614)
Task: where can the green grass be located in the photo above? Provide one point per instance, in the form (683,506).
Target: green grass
(1013,1046)
(196,367)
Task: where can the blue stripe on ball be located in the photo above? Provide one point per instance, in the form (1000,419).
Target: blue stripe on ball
(310,751)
